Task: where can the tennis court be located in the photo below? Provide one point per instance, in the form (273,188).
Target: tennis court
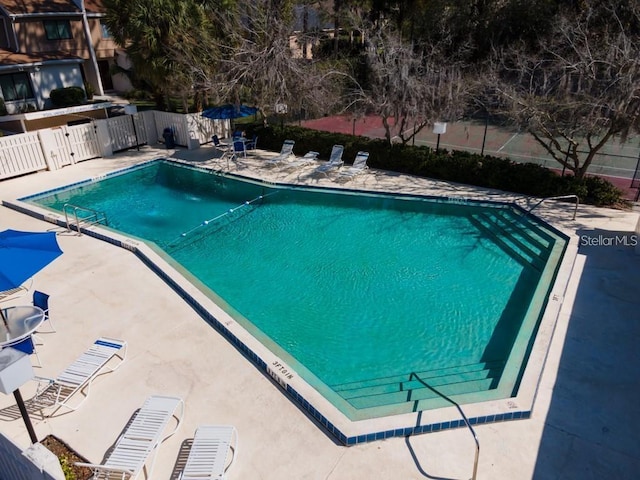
(616,162)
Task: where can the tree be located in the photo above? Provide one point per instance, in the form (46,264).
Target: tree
(255,63)
(409,87)
(153,31)
(579,87)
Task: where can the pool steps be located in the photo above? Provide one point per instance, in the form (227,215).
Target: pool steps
(528,244)
(395,389)
(523,239)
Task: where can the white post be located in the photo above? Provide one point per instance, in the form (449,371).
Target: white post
(104,138)
(47,140)
(149,119)
(92,50)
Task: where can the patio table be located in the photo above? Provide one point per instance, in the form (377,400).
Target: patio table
(21,321)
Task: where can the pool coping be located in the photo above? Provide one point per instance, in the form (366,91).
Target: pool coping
(347,431)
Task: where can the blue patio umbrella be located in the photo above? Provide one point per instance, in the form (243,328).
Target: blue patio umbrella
(23,254)
(229,112)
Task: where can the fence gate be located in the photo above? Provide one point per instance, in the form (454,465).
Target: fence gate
(121,132)
(83,141)
(140,129)
(61,153)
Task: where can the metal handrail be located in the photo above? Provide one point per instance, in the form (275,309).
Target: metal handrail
(92,219)
(561,197)
(415,376)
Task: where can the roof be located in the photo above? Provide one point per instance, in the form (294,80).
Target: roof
(8,58)
(21,7)
(94,6)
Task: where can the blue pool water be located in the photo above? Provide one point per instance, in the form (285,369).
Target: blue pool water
(355,291)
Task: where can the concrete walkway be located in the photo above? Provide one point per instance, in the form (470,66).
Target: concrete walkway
(584,420)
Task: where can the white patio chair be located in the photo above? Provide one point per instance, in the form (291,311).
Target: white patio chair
(285,153)
(140,440)
(208,458)
(359,166)
(77,377)
(335,161)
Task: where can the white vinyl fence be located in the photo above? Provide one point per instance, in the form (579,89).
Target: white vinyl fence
(21,154)
(192,129)
(54,148)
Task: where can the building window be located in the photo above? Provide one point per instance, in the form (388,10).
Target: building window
(57,29)
(15,86)
(105,31)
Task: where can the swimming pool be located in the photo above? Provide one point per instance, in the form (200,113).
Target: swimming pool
(356,291)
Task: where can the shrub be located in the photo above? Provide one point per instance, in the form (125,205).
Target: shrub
(90,90)
(455,166)
(600,192)
(67,97)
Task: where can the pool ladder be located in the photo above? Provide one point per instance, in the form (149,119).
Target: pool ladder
(415,376)
(94,217)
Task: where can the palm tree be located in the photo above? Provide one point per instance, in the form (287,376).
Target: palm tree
(156,34)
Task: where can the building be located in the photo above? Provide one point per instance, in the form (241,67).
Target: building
(45,45)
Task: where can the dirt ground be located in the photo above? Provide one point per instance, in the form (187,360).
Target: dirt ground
(67,457)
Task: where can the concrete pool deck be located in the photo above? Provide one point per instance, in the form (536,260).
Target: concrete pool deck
(583,422)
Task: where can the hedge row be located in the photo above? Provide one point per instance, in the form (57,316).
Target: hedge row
(455,166)
(67,97)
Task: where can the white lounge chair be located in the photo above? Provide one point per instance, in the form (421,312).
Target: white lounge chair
(17,292)
(208,458)
(307,159)
(335,161)
(359,166)
(285,153)
(78,376)
(140,440)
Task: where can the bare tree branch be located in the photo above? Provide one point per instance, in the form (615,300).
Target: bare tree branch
(410,87)
(580,88)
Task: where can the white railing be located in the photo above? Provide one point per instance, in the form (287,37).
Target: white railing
(54,148)
(561,197)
